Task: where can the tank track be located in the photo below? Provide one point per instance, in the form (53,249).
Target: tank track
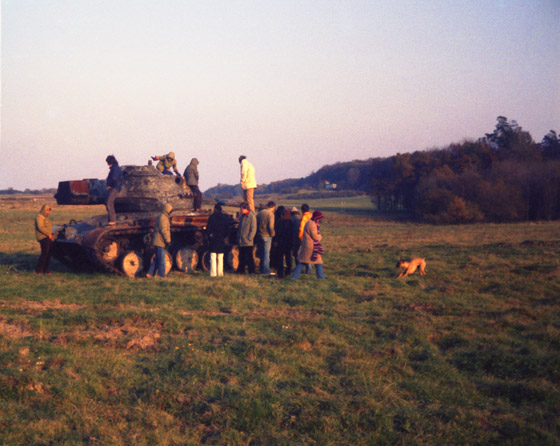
(95,253)
(123,237)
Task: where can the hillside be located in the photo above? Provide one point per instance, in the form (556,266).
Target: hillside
(502,176)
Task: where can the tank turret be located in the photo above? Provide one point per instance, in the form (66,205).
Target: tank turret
(125,248)
(144,189)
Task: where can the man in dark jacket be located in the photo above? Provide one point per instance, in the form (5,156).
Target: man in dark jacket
(191,177)
(296,243)
(114,185)
(217,230)
(284,239)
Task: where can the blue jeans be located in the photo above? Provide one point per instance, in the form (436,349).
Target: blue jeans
(318,270)
(159,262)
(264,249)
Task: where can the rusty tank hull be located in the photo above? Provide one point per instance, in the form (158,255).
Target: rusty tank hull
(125,248)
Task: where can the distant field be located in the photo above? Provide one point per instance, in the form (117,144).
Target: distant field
(469,354)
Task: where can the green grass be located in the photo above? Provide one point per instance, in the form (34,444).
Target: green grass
(469,354)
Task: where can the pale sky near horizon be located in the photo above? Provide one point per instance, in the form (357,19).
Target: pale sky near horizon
(293,85)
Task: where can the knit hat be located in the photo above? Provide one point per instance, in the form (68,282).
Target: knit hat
(295,210)
(317,215)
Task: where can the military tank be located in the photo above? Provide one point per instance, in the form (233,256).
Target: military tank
(125,248)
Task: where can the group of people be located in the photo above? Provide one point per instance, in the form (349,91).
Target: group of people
(279,234)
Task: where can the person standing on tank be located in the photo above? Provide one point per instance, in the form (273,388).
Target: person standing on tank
(114,185)
(166,163)
(248,181)
(161,239)
(45,237)
(191,177)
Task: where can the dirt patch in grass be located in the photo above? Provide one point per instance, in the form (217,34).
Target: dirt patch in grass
(289,314)
(13,331)
(126,336)
(119,336)
(31,306)
(123,336)
(421,308)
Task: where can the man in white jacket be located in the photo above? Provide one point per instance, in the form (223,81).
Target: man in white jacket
(248,181)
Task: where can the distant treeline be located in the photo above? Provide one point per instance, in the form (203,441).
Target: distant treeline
(12,191)
(503,176)
(351,178)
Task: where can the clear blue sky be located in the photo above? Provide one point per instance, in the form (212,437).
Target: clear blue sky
(293,85)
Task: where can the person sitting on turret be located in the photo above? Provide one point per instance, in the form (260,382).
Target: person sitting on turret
(166,163)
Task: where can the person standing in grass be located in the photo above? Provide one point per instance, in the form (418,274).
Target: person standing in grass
(114,185)
(311,249)
(274,254)
(161,239)
(284,239)
(248,181)
(296,242)
(265,231)
(45,237)
(245,239)
(305,217)
(217,230)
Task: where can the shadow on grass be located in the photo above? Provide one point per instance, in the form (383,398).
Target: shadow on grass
(24,262)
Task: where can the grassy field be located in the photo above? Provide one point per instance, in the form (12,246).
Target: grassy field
(469,354)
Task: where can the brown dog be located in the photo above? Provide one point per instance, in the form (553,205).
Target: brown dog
(409,267)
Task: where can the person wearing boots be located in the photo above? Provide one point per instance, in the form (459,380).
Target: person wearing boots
(217,230)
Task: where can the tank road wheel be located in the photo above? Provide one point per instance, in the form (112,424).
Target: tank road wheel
(168,262)
(206,261)
(255,257)
(109,251)
(233,258)
(131,263)
(186,259)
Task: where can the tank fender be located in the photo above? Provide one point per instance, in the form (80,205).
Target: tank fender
(91,239)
